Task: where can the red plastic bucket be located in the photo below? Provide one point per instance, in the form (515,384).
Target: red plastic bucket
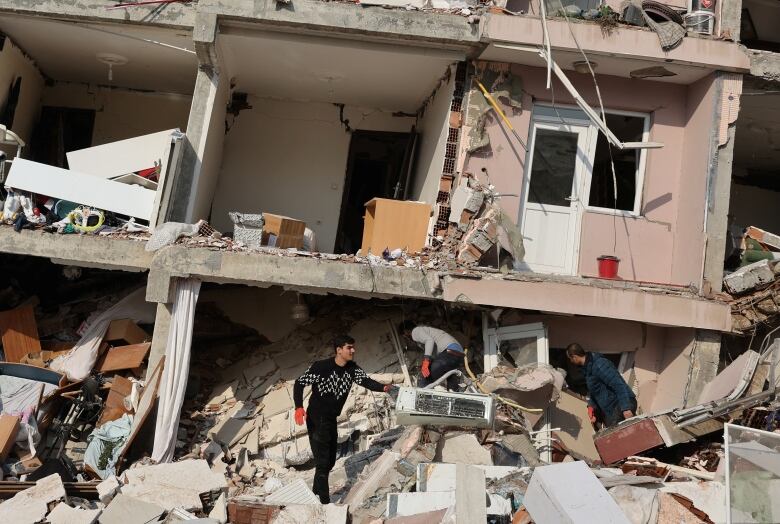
(608,266)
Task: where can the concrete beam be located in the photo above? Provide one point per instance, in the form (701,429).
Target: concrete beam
(204,35)
(77,250)
(169,15)
(309,275)
(629,303)
(765,64)
(345,19)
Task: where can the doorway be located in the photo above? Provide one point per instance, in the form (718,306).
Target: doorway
(59,131)
(553,197)
(378,166)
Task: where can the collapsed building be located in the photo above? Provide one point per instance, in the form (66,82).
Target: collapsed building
(326,167)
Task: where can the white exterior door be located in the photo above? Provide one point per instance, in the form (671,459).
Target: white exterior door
(525,344)
(552,200)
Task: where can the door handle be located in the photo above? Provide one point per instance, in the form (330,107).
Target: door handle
(571,198)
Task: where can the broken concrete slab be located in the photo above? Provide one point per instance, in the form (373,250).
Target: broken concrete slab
(107,489)
(313,514)
(368,484)
(569,493)
(64,514)
(162,484)
(749,277)
(640,505)
(709,496)
(570,414)
(737,374)
(463,449)
(32,505)
(125,509)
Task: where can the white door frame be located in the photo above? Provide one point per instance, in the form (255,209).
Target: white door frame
(492,338)
(586,145)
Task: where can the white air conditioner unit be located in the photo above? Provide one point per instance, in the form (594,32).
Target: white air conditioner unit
(444,408)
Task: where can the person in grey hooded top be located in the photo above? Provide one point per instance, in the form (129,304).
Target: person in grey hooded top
(441,352)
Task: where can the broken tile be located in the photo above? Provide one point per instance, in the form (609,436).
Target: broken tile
(64,514)
(463,449)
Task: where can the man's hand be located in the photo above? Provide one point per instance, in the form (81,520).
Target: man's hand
(592,414)
(627,414)
(300,416)
(426,368)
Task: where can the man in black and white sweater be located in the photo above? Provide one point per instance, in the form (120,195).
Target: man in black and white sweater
(331,380)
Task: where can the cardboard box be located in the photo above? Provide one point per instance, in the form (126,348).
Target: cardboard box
(124,333)
(391,224)
(283,232)
(9,427)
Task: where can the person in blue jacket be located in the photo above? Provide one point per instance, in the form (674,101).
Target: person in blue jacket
(610,400)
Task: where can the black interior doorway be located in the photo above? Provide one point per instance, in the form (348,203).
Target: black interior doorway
(59,131)
(378,166)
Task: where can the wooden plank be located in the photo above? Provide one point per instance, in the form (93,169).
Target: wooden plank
(123,357)
(114,407)
(19,333)
(9,426)
(145,406)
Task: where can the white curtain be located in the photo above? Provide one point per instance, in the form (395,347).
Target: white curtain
(177,369)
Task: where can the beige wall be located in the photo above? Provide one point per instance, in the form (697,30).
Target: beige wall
(290,158)
(121,114)
(14,64)
(433,129)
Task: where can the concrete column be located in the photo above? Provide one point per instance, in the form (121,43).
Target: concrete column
(704,357)
(202,149)
(730,19)
(162,325)
(718,196)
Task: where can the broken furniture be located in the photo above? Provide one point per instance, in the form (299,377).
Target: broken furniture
(19,333)
(395,224)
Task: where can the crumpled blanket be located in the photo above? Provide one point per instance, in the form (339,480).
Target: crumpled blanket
(105,445)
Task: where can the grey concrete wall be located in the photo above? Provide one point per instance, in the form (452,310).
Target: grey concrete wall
(170,15)
(730,19)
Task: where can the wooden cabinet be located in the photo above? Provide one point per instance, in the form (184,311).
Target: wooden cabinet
(392,224)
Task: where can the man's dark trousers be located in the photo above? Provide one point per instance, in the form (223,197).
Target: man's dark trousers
(442,364)
(323,438)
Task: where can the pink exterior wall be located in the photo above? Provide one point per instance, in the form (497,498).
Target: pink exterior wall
(663,245)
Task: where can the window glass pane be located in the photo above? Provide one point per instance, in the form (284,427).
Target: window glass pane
(519,351)
(552,171)
(602,194)
(754,475)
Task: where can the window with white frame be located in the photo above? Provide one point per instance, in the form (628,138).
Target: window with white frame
(629,166)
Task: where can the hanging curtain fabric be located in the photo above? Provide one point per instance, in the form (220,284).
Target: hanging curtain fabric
(177,369)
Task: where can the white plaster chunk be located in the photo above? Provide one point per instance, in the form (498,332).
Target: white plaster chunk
(107,489)
(278,400)
(464,449)
(129,510)
(749,277)
(406,504)
(178,484)
(31,505)
(219,512)
(552,499)
(64,514)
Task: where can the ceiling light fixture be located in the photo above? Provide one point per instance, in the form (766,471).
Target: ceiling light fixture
(581,66)
(111,60)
